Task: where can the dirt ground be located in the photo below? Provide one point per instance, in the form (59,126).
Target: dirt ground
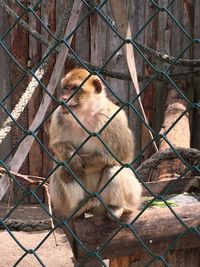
(50,254)
(24,217)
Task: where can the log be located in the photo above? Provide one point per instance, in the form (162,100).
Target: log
(181,185)
(188,154)
(178,131)
(157,228)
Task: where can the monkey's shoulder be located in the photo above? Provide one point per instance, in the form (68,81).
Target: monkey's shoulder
(112,113)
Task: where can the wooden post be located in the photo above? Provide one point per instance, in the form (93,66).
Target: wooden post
(178,136)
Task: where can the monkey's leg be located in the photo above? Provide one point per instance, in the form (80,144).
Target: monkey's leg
(112,194)
(115,211)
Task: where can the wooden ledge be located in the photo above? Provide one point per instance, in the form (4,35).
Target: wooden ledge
(157,227)
(183,185)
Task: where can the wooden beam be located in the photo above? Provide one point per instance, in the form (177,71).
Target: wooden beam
(177,120)
(160,187)
(157,228)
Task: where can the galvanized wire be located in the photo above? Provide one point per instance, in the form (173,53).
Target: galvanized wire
(144,52)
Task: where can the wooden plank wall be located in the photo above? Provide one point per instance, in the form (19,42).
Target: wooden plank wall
(5,82)
(19,48)
(95,42)
(196,82)
(35,155)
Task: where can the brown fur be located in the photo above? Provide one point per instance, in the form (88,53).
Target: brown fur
(93,164)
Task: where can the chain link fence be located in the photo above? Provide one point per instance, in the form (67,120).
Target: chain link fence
(174,157)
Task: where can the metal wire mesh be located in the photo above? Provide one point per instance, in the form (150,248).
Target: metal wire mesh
(54,46)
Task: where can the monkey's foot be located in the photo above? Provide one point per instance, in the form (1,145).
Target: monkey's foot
(116,212)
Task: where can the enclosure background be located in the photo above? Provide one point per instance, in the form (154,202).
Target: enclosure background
(95,42)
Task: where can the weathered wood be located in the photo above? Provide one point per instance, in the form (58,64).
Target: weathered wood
(180,185)
(5,87)
(97,40)
(148,103)
(120,14)
(110,42)
(35,153)
(48,15)
(19,48)
(93,263)
(163,43)
(120,262)
(181,256)
(4,81)
(148,97)
(196,82)
(22,150)
(136,15)
(152,227)
(25,145)
(188,155)
(179,134)
(82,36)
(175,108)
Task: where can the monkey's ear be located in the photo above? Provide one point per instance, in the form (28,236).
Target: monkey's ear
(97,85)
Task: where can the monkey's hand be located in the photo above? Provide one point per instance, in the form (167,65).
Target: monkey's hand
(65,151)
(75,165)
(94,162)
(75,169)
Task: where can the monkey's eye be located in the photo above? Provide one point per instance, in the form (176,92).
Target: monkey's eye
(65,88)
(75,87)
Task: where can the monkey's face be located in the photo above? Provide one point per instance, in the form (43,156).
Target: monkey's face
(70,94)
(78,91)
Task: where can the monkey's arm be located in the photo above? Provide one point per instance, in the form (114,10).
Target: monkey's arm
(118,139)
(64,151)
(94,162)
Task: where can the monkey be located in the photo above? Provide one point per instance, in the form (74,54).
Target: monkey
(86,155)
